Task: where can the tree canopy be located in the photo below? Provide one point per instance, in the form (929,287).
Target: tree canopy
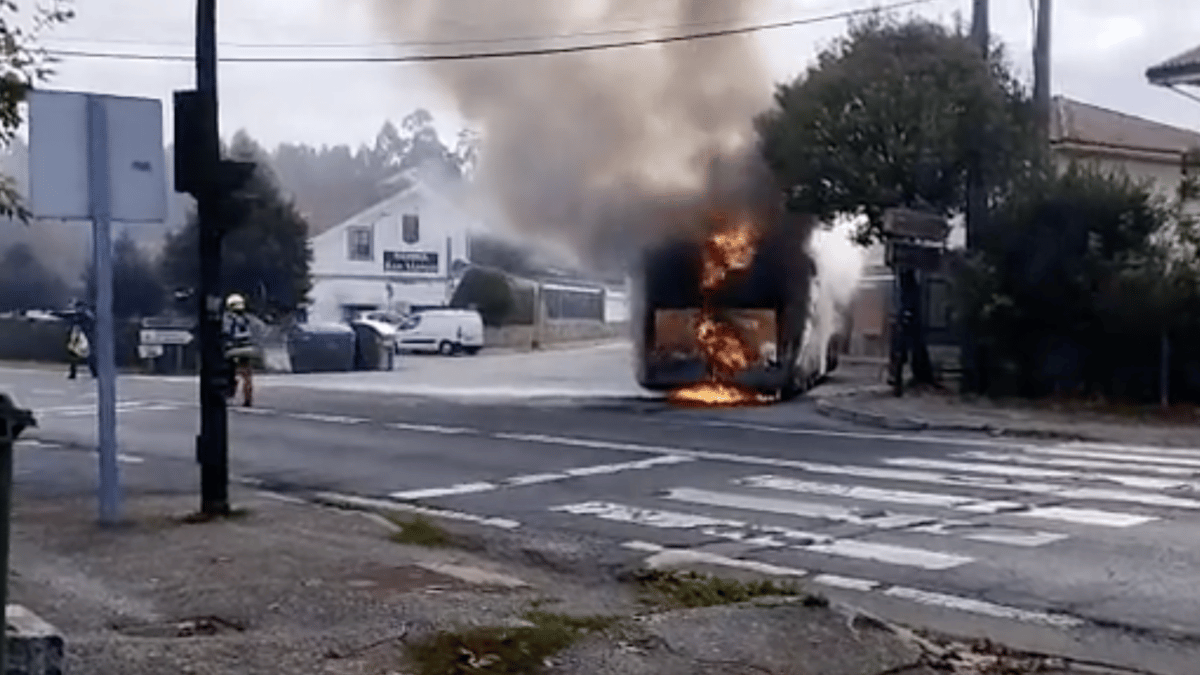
(890,115)
(22,65)
(265,253)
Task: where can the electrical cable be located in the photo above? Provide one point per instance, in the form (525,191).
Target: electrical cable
(514,53)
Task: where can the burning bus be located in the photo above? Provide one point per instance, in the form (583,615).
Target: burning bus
(736,316)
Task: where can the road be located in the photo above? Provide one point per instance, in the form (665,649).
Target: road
(1034,539)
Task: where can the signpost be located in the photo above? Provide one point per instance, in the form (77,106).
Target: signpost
(98,158)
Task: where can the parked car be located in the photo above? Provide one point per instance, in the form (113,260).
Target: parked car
(442,331)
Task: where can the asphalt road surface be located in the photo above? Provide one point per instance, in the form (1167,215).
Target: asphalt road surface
(1033,539)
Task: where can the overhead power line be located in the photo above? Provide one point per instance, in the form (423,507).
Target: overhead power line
(513,53)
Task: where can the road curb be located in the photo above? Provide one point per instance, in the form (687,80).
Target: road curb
(849,413)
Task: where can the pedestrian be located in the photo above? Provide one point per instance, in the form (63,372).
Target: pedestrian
(79,340)
(239,348)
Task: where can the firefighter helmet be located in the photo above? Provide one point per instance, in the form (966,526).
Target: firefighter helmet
(235,303)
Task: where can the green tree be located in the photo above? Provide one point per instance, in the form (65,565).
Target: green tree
(137,287)
(889,116)
(487,291)
(265,253)
(22,65)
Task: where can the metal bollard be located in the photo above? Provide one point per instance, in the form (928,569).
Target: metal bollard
(13,421)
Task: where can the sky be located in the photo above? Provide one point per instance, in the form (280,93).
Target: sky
(1100,51)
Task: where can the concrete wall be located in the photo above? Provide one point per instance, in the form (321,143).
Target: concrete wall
(553,332)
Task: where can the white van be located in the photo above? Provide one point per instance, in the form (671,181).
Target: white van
(442,331)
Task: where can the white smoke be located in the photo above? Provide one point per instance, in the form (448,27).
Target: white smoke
(840,264)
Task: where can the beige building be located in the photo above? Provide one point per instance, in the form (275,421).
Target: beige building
(1113,141)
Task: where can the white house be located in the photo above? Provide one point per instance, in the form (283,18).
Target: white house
(406,250)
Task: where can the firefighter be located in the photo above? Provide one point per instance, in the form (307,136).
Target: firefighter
(239,348)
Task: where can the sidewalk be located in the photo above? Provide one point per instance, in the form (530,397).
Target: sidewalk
(290,587)
(857,395)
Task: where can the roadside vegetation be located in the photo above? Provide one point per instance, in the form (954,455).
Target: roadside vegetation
(681,590)
(503,650)
(419,531)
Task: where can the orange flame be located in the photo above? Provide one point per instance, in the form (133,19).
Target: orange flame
(730,248)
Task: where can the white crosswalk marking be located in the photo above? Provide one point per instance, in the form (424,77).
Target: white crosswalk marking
(834,522)
(956,502)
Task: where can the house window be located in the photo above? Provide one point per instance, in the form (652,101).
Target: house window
(360,243)
(410,228)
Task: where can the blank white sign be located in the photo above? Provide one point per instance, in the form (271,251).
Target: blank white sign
(58,157)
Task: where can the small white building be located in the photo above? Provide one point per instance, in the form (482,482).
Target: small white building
(406,250)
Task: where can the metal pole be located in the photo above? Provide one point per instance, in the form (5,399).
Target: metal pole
(109,488)
(6,472)
(976,201)
(212,447)
(1041,72)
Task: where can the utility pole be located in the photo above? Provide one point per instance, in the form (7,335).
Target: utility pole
(212,446)
(1041,73)
(976,200)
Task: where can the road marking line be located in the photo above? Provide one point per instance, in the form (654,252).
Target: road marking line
(539,478)
(867,472)
(331,419)
(1137,449)
(431,428)
(669,557)
(254,411)
(354,501)
(735,530)
(662,556)
(460,489)
(130,459)
(1124,459)
(882,520)
(1142,482)
(956,502)
(962,604)
(1080,463)
(865,436)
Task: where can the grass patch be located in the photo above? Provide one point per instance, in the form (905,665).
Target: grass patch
(691,589)
(419,531)
(502,650)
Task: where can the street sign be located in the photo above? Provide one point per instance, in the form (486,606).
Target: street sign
(60,180)
(150,351)
(155,336)
(410,261)
(915,224)
(914,256)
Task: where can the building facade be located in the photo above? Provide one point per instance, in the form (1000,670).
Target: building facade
(405,251)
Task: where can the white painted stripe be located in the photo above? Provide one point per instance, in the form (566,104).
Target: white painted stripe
(866,436)
(354,501)
(815,510)
(461,489)
(669,557)
(1136,449)
(1079,463)
(856,492)
(330,419)
(431,428)
(990,534)
(868,472)
(130,459)
(962,604)
(956,502)
(887,553)
(1142,482)
(1087,516)
(626,466)
(763,535)
(847,583)
(1123,458)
